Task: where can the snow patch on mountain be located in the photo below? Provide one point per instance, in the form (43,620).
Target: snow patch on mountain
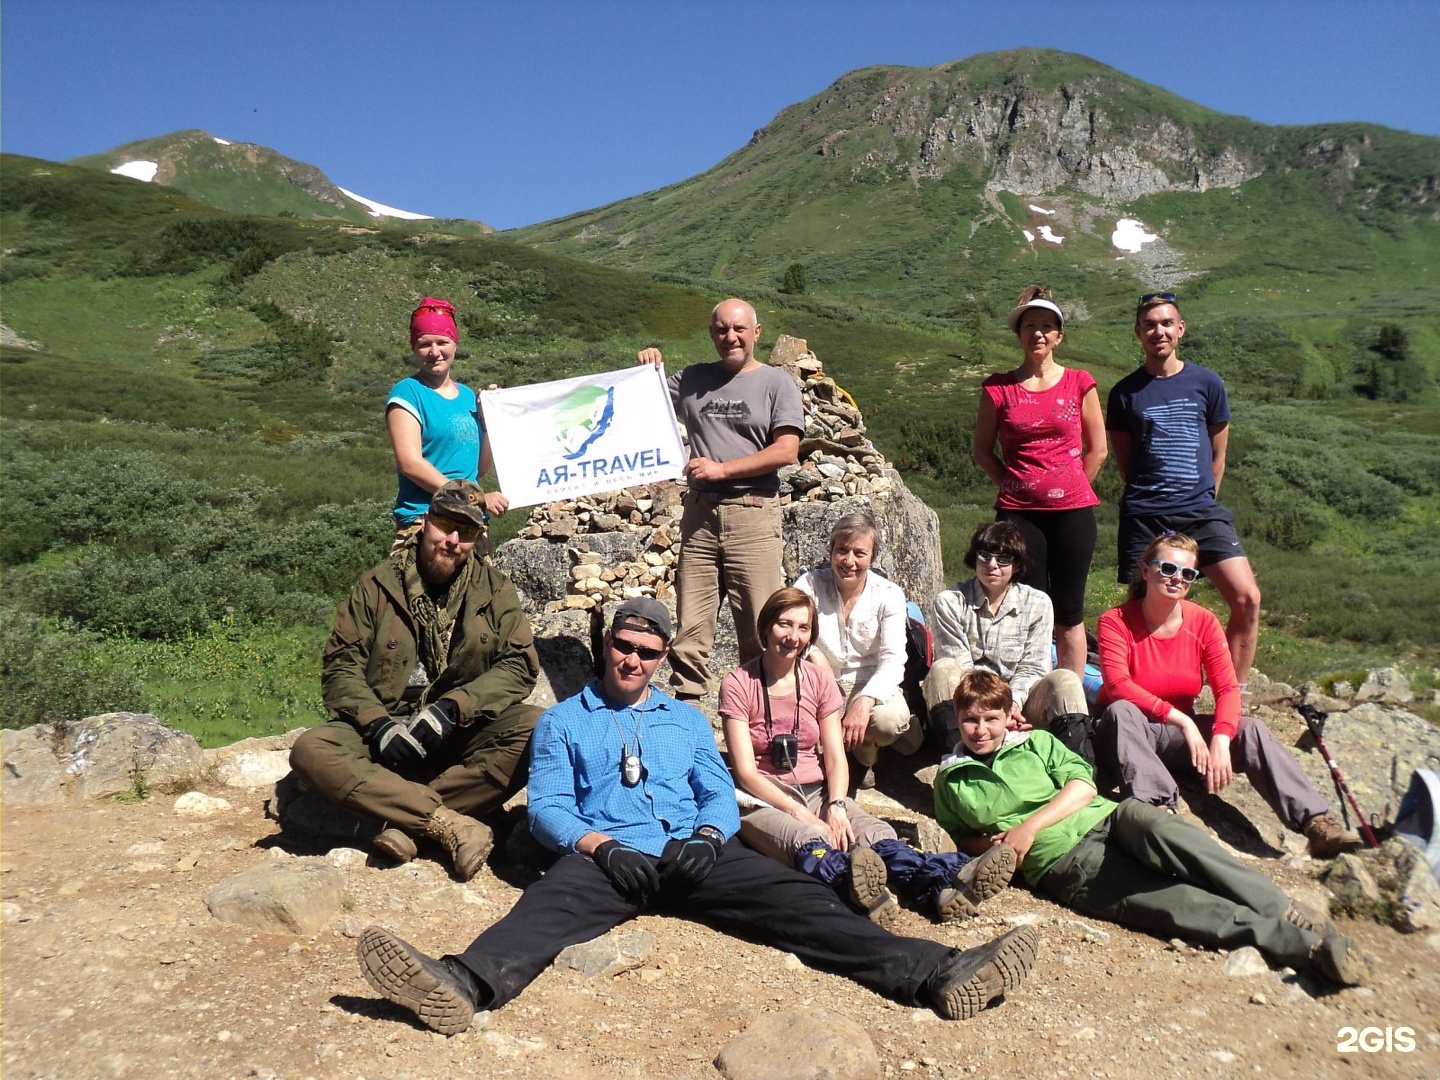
(1130,235)
(381,210)
(138,170)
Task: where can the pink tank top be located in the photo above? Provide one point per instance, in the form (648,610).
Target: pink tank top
(1040,443)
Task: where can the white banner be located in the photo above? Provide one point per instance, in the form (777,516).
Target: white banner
(559,440)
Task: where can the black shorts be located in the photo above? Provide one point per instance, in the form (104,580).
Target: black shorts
(1212,528)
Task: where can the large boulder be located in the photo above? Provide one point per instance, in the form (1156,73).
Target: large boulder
(97,756)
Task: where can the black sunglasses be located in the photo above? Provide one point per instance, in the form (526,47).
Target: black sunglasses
(1187,574)
(1167,297)
(626,648)
(1000,559)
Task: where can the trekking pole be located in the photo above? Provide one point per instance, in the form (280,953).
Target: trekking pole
(1315,721)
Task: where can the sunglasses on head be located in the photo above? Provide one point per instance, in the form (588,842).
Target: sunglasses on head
(1167,297)
(1187,574)
(996,557)
(468,531)
(644,652)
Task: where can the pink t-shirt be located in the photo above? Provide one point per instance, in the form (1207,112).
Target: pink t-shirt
(741,697)
(1040,442)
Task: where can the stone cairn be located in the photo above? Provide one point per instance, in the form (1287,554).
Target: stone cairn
(836,460)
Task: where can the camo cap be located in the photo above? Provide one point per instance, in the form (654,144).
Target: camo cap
(462,500)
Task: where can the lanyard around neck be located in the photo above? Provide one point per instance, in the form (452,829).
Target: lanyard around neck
(765,693)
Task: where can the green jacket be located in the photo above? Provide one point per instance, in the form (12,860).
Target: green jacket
(372,652)
(1029,769)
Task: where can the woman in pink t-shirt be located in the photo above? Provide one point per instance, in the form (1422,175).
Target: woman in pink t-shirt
(782,727)
(1156,651)
(1051,434)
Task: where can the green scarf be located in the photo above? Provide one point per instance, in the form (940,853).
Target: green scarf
(434,621)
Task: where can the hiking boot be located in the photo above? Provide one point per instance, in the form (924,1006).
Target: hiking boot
(1308,920)
(987,875)
(441,993)
(952,905)
(867,887)
(1336,959)
(468,841)
(942,723)
(1325,839)
(979,879)
(971,979)
(394,845)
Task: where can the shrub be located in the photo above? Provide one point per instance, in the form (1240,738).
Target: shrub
(795,282)
(48,674)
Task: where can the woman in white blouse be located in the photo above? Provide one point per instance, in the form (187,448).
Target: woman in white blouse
(860,636)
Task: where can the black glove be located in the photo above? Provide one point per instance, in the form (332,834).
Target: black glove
(433,724)
(689,862)
(393,743)
(631,871)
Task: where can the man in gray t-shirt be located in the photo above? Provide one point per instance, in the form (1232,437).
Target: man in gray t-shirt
(744,420)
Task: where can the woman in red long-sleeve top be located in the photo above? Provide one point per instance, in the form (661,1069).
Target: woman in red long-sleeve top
(1156,651)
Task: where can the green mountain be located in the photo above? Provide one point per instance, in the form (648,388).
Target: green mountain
(243,177)
(917,188)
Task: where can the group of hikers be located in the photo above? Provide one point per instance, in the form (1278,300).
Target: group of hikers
(431,659)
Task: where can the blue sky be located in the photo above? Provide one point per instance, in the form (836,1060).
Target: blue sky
(518,112)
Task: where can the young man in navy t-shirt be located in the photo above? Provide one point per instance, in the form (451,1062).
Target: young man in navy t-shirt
(1169,425)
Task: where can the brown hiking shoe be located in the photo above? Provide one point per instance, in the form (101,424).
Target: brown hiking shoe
(1325,839)
(395,845)
(1336,959)
(979,879)
(969,980)
(468,841)
(867,887)
(439,992)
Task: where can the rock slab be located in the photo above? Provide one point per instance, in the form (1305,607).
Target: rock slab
(800,1044)
(293,897)
(98,756)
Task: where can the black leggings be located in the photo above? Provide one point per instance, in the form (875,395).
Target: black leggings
(1058,547)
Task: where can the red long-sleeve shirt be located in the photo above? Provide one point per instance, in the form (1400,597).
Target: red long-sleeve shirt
(1158,674)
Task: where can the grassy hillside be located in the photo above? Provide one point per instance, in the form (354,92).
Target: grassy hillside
(195,466)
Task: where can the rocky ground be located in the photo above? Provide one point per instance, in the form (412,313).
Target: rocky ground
(114,967)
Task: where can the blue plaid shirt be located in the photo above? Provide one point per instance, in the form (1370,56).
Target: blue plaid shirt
(575,782)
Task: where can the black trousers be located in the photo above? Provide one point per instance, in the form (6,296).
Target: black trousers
(746,892)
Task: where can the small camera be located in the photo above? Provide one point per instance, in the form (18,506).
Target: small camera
(785,752)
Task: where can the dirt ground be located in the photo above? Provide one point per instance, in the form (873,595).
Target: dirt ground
(113,967)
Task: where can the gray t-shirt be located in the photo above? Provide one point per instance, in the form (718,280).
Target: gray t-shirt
(730,416)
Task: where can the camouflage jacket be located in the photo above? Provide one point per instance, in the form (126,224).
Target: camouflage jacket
(372,651)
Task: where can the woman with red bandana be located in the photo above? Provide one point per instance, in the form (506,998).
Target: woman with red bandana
(434,421)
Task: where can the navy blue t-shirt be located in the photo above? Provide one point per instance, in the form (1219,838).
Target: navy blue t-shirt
(1168,420)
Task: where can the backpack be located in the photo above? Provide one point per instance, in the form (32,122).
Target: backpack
(919,655)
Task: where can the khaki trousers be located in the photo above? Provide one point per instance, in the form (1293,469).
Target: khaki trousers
(732,549)
(775,833)
(477,769)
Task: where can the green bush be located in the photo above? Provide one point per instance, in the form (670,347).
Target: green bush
(48,674)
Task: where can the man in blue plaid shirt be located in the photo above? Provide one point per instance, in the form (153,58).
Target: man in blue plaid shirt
(627,784)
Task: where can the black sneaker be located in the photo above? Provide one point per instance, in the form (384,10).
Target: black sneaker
(970,979)
(439,992)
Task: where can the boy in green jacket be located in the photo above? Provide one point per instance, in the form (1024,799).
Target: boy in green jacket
(1131,863)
